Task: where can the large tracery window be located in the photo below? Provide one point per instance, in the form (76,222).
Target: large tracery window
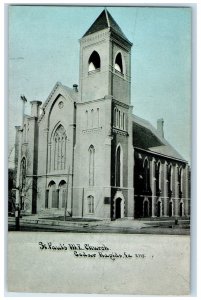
(91,165)
(94,62)
(59,148)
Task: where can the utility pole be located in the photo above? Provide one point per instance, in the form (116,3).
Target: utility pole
(18,196)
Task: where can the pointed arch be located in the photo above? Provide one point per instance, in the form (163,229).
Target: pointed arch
(119,65)
(180,181)
(53,196)
(146,175)
(62,193)
(169,178)
(91,165)
(58,148)
(119,166)
(94,62)
(158,177)
(90,203)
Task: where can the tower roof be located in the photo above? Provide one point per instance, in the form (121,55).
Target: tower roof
(105,20)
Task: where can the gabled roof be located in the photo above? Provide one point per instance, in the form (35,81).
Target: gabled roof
(146,137)
(105,20)
(69,91)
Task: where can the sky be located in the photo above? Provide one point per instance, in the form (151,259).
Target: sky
(43,46)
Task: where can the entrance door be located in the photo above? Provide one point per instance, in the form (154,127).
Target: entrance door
(118,208)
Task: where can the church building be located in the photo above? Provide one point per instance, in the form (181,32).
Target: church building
(83,150)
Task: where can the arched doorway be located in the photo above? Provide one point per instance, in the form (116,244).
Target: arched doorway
(118,210)
(53,195)
(159,209)
(181,209)
(170,209)
(63,194)
(146,209)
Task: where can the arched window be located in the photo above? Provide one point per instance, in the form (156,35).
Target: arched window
(91,165)
(157,176)
(117,118)
(169,179)
(59,148)
(123,121)
(23,173)
(180,181)
(90,200)
(146,176)
(119,167)
(118,65)
(92,118)
(98,117)
(94,62)
(87,124)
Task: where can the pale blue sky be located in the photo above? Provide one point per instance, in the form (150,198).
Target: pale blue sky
(44,49)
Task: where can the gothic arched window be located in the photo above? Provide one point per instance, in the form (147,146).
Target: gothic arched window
(146,176)
(118,65)
(23,173)
(94,62)
(90,200)
(180,181)
(119,165)
(91,165)
(157,176)
(87,120)
(169,179)
(59,148)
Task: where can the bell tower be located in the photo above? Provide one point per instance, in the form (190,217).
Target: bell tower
(105,60)
(103,154)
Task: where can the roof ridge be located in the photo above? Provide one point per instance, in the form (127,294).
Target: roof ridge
(108,21)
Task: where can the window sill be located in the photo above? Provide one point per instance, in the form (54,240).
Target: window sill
(94,71)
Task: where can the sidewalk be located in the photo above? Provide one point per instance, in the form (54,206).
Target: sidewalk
(80,223)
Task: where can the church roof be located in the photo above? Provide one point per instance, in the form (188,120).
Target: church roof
(146,137)
(105,20)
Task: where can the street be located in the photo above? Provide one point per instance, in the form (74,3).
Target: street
(136,227)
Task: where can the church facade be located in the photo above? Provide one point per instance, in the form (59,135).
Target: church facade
(83,150)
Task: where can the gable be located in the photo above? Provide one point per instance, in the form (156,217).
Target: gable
(65,94)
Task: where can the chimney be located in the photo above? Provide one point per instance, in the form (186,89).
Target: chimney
(75,88)
(160,123)
(35,105)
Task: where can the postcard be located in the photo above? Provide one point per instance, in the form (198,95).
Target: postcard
(99,198)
